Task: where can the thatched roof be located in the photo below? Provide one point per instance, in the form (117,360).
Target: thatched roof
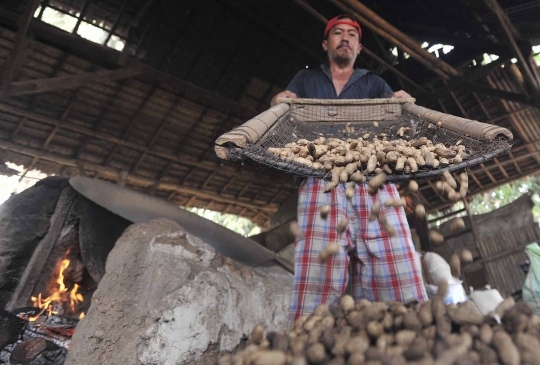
(148,116)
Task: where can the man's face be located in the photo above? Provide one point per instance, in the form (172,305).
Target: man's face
(343,44)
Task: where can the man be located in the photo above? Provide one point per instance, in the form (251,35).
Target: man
(384,267)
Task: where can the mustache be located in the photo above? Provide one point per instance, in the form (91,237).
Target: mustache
(344,44)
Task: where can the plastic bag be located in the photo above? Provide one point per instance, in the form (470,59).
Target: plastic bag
(438,268)
(455,294)
(531,288)
(486,300)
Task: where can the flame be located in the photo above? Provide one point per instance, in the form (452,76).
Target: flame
(59,296)
(81,316)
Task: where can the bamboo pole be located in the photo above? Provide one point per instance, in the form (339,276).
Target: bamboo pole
(429,65)
(17,56)
(507,27)
(379,25)
(365,50)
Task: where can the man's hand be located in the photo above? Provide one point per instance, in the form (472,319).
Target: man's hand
(285,94)
(401,95)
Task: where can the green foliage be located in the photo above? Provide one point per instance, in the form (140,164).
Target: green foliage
(240,225)
(499,197)
(487,202)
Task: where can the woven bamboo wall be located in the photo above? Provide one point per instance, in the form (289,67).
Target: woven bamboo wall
(504,273)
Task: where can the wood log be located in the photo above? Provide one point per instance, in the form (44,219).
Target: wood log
(39,258)
(37,351)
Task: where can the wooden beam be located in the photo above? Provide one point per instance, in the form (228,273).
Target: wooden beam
(102,113)
(395,41)
(503,94)
(114,174)
(482,106)
(82,13)
(270,28)
(488,173)
(515,163)
(516,120)
(475,74)
(474,265)
(71,81)
(63,117)
(109,58)
(451,214)
(184,160)
(510,33)
(501,168)
(119,16)
(18,53)
(506,115)
(476,179)
(392,34)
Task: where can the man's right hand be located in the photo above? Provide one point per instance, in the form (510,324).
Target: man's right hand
(285,94)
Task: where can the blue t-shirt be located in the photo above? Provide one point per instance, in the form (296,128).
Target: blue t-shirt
(317,84)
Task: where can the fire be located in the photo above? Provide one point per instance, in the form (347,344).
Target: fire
(81,316)
(59,296)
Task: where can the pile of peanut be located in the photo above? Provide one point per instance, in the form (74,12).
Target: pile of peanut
(427,333)
(360,157)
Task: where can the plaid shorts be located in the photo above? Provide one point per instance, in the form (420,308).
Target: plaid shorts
(386,269)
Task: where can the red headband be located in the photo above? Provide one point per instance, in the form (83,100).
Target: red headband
(335,21)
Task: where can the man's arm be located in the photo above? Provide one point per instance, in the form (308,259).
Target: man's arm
(401,94)
(293,90)
(284,94)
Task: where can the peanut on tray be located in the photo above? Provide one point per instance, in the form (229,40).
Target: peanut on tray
(351,159)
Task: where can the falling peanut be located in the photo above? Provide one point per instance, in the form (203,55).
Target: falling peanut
(325,209)
(464,184)
(457,225)
(296,231)
(436,237)
(395,202)
(387,226)
(455,265)
(420,211)
(374,212)
(413,186)
(466,256)
(330,250)
(342,225)
(450,179)
(349,192)
(377,181)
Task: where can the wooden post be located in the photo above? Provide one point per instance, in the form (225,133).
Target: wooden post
(510,32)
(17,55)
(471,219)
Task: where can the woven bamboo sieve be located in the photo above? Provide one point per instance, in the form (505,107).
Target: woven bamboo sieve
(293,119)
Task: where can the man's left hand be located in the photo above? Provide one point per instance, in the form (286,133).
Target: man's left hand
(401,94)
